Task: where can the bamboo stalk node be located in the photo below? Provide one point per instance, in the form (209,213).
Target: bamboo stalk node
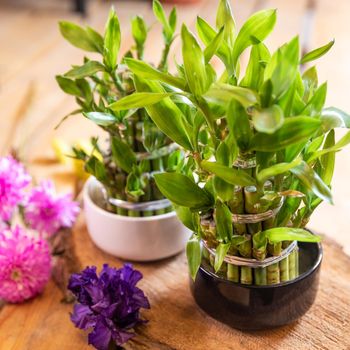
(207,219)
(254,263)
(245,163)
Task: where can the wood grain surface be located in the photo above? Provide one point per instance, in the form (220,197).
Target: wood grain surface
(175,321)
(32,53)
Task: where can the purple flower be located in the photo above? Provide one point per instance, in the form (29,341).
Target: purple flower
(25,265)
(109,304)
(47,211)
(13,181)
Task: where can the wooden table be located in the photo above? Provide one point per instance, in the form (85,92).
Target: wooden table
(175,321)
(31,53)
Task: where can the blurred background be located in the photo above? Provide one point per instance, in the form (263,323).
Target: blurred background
(32,53)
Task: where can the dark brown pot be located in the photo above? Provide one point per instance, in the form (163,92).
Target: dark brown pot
(248,307)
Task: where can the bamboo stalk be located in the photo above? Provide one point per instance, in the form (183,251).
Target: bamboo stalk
(252,206)
(260,276)
(232,273)
(223,270)
(236,205)
(157,165)
(147,196)
(133,213)
(284,269)
(120,180)
(292,265)
(246,275)
(138,136)
(273,274)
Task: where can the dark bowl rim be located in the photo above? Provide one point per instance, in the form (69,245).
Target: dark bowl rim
(304,275)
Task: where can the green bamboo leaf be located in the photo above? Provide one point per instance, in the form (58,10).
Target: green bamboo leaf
(102,119)
(223,94)
(77,111)
(138,100)
(294,151)
(334,118)
(88,69)
(160,14)
(315,144)
(268,120)
(77,36)
(223,154)
(317,53)
(328,160)
(134,185)
(344,141)
(274,170)
(173,19)
(146,71)
(186,216)
(230,175)
(194,63)
(213,47)
(317,101)
(139,30)
(222,188)
(224,18)
(181,190)
(256,28)
(68,86)
(95,38)
(123,155)
(283,67)
(254,75)
(221,252)
(223,221)
(96,168)
(312,181)
(293,131)
(239,125)
(207,35)
(194,255)
(310,82)
(280,234)
(166,114)
(111,41)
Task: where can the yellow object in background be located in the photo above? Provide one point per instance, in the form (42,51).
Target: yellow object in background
(64,154)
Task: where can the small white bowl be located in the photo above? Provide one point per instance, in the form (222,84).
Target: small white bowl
(132,238)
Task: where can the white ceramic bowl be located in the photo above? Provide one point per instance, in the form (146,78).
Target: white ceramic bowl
(129,238)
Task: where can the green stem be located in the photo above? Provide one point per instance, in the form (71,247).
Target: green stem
(294,264)
(120,180)
(163,62)
(210,121)
(148,195)
(246,275)
(273,274)
(260,276)
(236,205)
(284,269)
(116,81)
(156,165)
(232,273)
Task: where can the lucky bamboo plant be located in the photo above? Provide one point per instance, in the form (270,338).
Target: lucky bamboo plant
(135,147)
(260,144)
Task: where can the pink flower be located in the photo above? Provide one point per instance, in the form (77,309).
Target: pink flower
(47,211)
(25,265)
(13,181)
